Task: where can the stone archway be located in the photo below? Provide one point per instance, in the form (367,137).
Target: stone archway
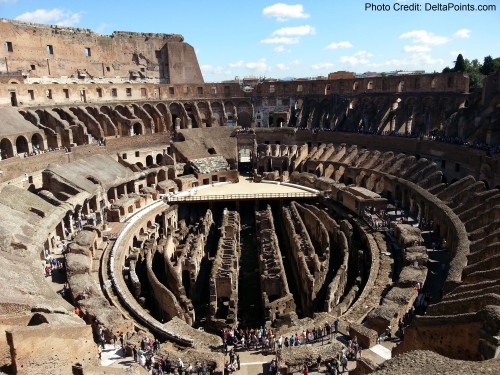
(6,150)
(137,128)
(159,159)
(37,142)
(21,145)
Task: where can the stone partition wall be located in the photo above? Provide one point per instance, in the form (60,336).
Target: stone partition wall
(309,271)
(189,255)
(163,296)
(278,300)
(318,235)
(339,254)
(225,270)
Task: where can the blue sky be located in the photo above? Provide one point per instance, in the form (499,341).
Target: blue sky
(280,39)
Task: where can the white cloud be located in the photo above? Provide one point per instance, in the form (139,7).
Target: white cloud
(322,66)
(53,16)
(415,61)
(295,31)
(425,37)
(336,45)
(259,66)
(282,67)
(210,69)
(281,40)
(359,58)
(284,12)
(281,49)
(418,49)
(462,33)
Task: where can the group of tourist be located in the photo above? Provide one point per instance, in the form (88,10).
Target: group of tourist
(52,264)
(266,339)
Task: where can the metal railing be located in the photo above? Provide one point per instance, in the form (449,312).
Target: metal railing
(235,197)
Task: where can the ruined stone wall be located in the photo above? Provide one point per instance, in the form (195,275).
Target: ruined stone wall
(192,252)
(163,296)
(318,235)
(339,250)
(51,348)
(309,272)
(424,83)
(442,337)
(225,269)
(54,51)
(276,295)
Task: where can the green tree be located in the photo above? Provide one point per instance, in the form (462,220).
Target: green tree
(473,69)
(459,64)
(488,66)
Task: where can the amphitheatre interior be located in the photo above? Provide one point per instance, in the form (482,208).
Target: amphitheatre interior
(181,208)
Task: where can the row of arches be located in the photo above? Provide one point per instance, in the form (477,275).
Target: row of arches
(401,114)
(73,126)
(21,145)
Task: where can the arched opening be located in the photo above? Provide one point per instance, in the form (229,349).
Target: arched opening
(355,86)
(6,149)
(162,175)
(433,83)
(244,119)
(137,129)
(401,86)
(369,86)
(37,143)
(151,179)
(194,123)
(171,173)
(149,161)
(159,159)
(21,145)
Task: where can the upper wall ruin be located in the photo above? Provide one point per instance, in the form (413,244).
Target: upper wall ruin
(65,53)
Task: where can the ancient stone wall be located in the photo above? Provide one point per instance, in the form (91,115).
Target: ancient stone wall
(80,54)
(310,271)
(194,249)
(339,254)
(278,300)
(225,269)
(51,348)
(163,296)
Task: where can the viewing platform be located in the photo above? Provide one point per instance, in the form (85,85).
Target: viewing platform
(243,190)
